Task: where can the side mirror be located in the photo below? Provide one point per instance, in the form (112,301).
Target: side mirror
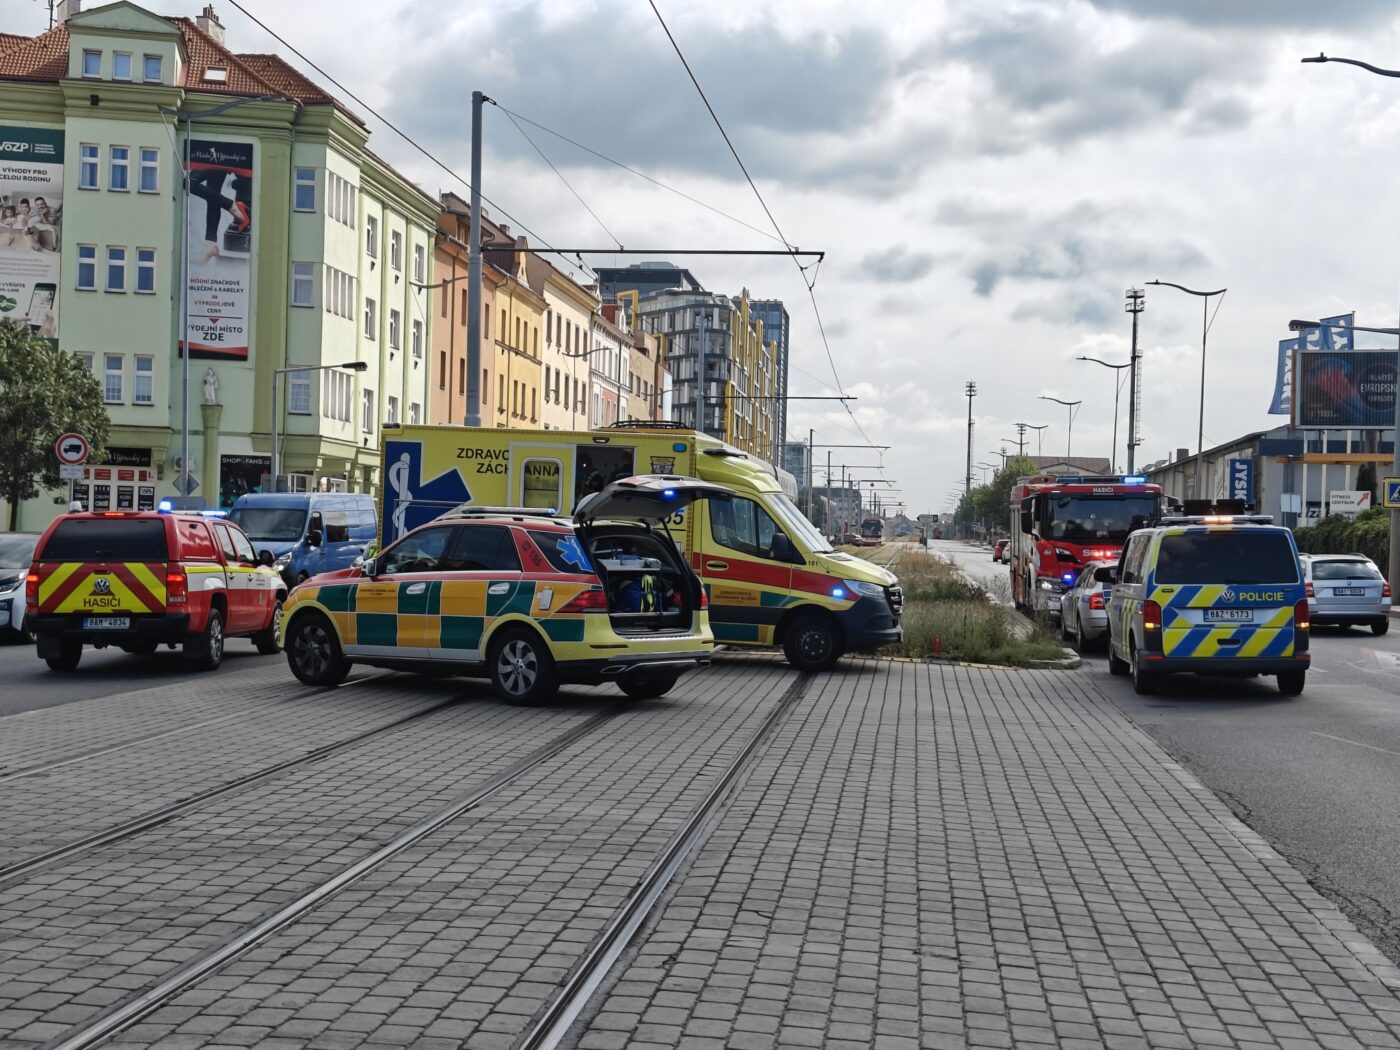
(370,567)
(782,548)
(314,538)
(265,558)
(1105,574)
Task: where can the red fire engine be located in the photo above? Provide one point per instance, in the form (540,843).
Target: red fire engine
(1060,523)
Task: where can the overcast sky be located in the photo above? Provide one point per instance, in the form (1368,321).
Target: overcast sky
(986,178)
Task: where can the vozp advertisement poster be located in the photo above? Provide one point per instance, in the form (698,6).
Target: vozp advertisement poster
(31,222)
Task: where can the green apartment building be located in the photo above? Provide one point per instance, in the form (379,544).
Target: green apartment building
(301,249)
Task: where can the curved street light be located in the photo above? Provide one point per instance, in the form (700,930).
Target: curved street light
(1117,389)
(1205,298)
(1069,437)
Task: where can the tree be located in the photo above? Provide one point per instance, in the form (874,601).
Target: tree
(44,392)
(1366,479)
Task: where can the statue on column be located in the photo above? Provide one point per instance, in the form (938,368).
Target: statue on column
(211,387)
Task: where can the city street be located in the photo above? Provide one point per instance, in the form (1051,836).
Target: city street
(894,854)
(1317,775)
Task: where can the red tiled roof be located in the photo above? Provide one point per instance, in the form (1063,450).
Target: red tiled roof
(43,57)
(202,51)
(9,40)
(291,82)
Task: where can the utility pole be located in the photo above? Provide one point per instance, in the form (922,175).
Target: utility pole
(1021,438)
(971,389)
(1137,300)
(473,416)
(811,437)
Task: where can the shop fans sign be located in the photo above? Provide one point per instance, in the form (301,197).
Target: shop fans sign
(219,224)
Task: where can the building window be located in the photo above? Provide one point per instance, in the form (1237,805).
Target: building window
(395,324)
(150,170)
(303,284)
(501,399)
(145,274)
(391,412)
(371,319)
(396,250)
(87,268)
(461,377)
(546,384)
(548,327)
(113,375)
(442,369)
(150,69)
(119,168)
(89,361)
(418,340)
(87,166)
(335,400)
(144,390)
(304,192)
(92,63)
(415,413)
(420,263)
(372,236)
(367,410)
(121,65)
(299,395)
(116,268)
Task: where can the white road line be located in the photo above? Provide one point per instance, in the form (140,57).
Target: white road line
(1357,743)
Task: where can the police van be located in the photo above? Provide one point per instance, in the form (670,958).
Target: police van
(1215,594)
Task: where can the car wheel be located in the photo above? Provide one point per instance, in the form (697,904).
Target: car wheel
(1077,639)
(648,687)
(314,653)
(1064,625)
(1380,626)
(266,639)
(206,651)
(1291,683)
(1144,681)
(522,670)
(70,652)
(1116,665)
(812,642)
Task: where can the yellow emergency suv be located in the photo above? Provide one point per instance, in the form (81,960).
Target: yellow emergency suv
(1213,594)
(771,577)
(523,595)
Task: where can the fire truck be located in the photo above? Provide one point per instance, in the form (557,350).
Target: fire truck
(1060,523)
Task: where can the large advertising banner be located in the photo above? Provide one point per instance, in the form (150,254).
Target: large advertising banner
(31,223)
(1346,390)
(219,218)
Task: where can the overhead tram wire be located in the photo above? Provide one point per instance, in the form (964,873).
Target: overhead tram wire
(821,326)
(640,174)
(567,184)
(545,247)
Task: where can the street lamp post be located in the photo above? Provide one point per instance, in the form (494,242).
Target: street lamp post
(1117,389)
(1070,405)
(1136,303)
(277,374)
(188,118)
(1205,298)
(1298,326)
(1394,576)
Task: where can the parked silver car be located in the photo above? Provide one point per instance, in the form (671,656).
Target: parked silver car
(1347,590)
(1084,607)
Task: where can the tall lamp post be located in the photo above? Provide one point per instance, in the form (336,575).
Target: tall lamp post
(1135,304)
(1039,429)
(1117,389)
(277,374)
(1394,575)
(1205,298)
(1071,406)
(187,118)
(1298,326)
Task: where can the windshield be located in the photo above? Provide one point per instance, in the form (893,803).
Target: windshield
(279,524)
(1227,557)
(1350,569)
(107,539)
(795,522)
(17,550)
(1093,519)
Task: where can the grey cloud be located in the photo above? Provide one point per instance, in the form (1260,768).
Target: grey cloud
(1257,13)
(898,265)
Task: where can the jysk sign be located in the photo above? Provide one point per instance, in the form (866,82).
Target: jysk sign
(1242,480)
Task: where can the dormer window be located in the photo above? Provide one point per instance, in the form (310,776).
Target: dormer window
(92,63)
(121,65)
(150,69)
(216,75)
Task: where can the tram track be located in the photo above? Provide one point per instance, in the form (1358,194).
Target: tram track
(20,870)
(130,1010)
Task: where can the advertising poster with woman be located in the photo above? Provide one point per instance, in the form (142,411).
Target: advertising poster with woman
(219,218)
(31,216)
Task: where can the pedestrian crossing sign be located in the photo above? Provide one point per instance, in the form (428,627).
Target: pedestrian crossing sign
(1390,493)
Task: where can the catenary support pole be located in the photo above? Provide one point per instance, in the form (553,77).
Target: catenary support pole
(473,413)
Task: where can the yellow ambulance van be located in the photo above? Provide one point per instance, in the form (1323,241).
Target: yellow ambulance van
(772,578)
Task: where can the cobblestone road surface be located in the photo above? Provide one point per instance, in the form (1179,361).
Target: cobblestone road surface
(919,856)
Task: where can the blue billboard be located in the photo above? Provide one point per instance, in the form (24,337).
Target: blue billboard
(1310,339)
(1241,481)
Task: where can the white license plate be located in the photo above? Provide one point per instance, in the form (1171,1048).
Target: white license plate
(1349,592)
(107,623)
(1229,615)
